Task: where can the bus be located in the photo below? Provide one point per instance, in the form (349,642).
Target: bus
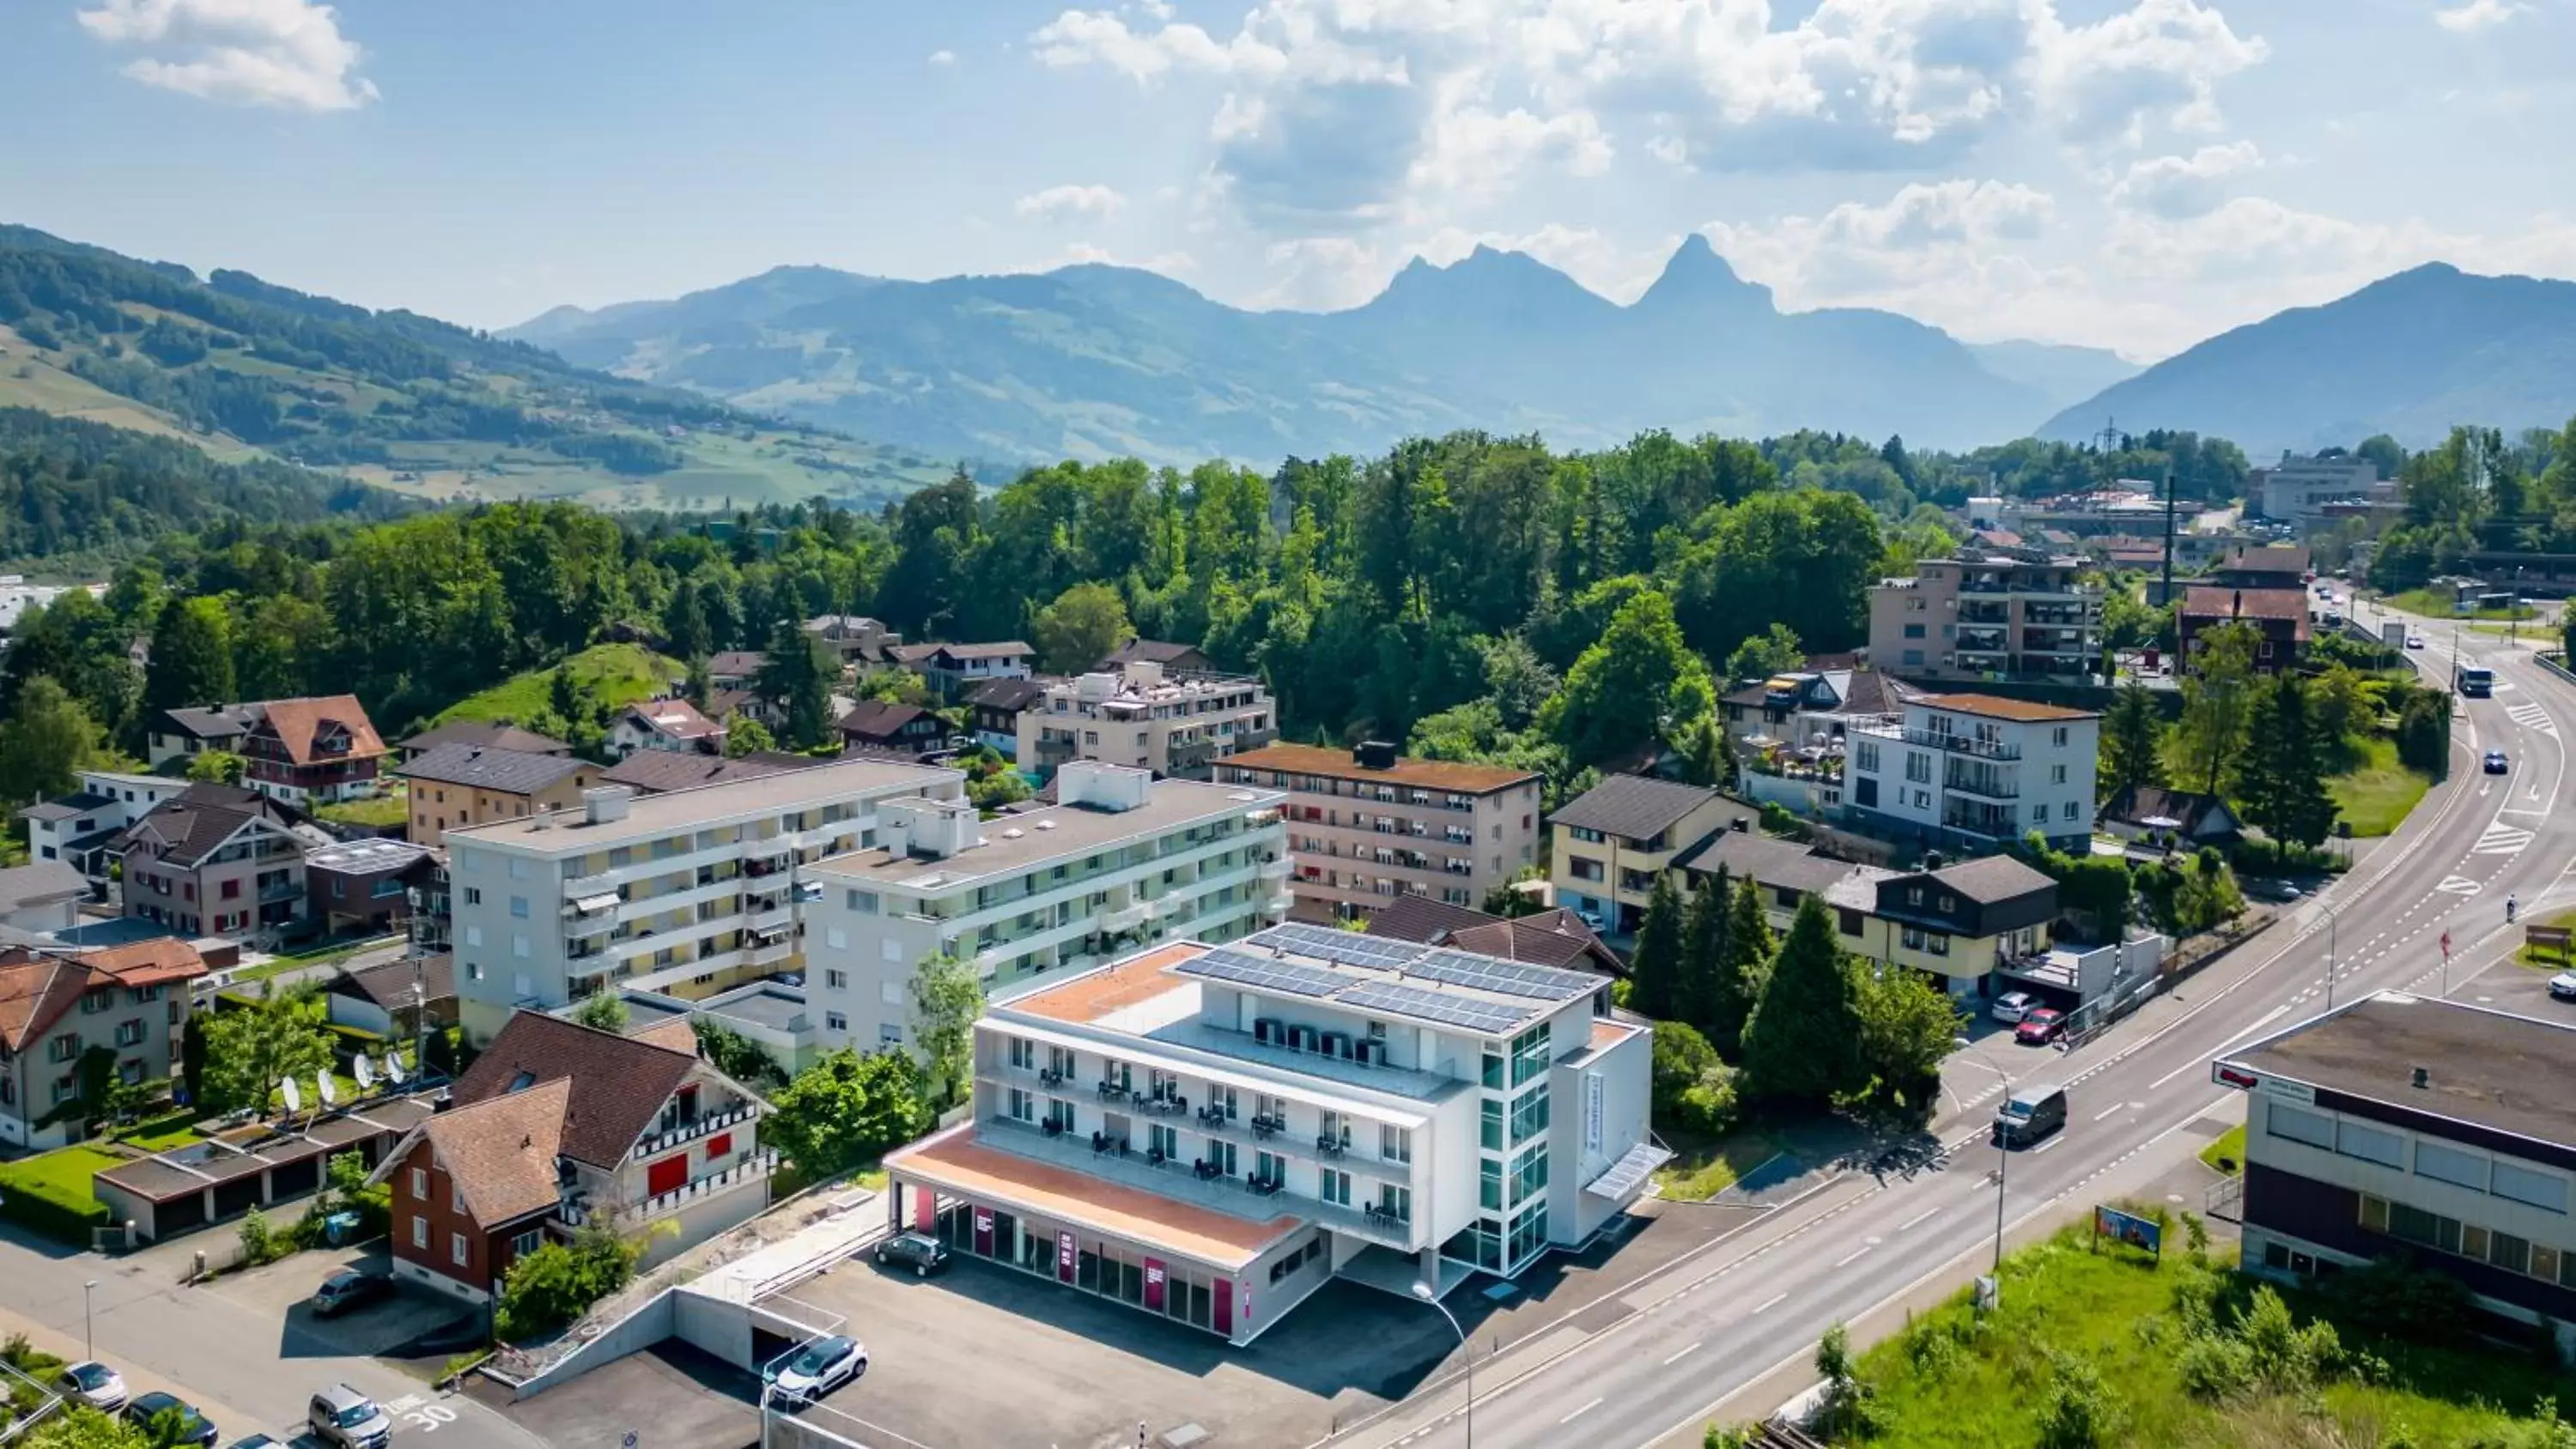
(2473,682)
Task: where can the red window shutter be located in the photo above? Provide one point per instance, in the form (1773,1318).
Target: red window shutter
(668,1175)
(719,1145)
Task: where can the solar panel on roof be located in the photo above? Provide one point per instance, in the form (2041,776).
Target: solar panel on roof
(1348,947)
(1262,973)
(1511,978)
(1491,1018)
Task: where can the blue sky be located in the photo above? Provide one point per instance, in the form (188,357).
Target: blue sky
(2126,173)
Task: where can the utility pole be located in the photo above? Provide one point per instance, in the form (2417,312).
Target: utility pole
(2169,542)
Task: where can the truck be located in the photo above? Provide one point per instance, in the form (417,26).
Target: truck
(2473,682)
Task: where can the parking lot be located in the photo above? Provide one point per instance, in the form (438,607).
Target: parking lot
(986,1355)
(2523,990)
(280,1291)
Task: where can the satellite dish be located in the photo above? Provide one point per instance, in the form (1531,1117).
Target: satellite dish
(394,1072)
(322,1085)
(294,1096)
(364,1070)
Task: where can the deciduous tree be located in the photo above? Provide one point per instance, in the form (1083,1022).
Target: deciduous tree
(947,997)
(2217,705)
(192,656)
(44,743)
(252,1046)
(846,1109)
(1081,627)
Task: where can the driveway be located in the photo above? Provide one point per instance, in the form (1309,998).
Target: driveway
(281,1290)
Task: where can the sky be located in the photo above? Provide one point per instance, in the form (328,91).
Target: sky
(2131,174)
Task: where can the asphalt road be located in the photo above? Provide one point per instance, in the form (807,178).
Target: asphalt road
(1728,1335)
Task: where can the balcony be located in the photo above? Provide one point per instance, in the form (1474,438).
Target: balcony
(1178,1178)
(281,890)
(706,1123)
(1124,918)
(1982,641)
(750,1170)
(1272,868)
(1956,744)
(1964,779)
(1279,905)
(1995,822)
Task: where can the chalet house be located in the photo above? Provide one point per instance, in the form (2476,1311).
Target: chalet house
(483,734)
(994,709)
(2154,816)
(876,724)
(734,668)
(218,861)
(305,751)
(558,1125)
(2279,617)
(55,1006)
(952,669)
(178,734)
(1174,658)
(665,724)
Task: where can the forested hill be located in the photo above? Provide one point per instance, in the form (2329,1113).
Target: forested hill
(391,398)
(77,495)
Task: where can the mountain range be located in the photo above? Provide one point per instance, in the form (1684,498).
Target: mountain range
(1097,361)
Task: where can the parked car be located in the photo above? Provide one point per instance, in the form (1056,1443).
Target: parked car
(94,1384)
(920,1252)
(343,1418)
(2562,987)
(193,1427)
(2273,890)
(2044,1024)
(2014,1005)
(350,1288)
(255,1441)
(818,1368)
(1599,923)
(2496,764)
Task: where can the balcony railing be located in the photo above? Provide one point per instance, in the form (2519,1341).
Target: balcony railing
(660,1143)
(1960,744)
(749,1170)
(1180,1177)
(1986,783)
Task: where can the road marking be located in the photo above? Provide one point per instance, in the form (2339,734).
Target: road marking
(1773,1303)
(2260,1022)
(1854,1258)
(2114,1110)
(1685,1353)
(2500,839)
(2459,885)
(1579,1413)
(2043,1147)
(1918,1217)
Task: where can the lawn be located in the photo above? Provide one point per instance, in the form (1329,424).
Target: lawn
(617,673)
(2227,1154)
(1950,1381)
(2375,795)
(391,808)
(2547,959)
(50,1192)
(2435,605)
(1701,1169)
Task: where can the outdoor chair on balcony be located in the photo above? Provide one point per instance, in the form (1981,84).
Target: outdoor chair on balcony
(1329,1145)
(1112,1090)
(1204,1170)
(1099,1143)
(1051,1128)
(1154,1157)
(1263,1126)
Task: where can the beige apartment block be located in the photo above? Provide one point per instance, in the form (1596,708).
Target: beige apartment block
(1368,826)
(1987,616)
(1147,718)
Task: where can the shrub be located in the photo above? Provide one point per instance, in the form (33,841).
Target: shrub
(2080,1412)
(2214,1366)
(1708,1106)
(558,1282)
(260,1243)
(2407,1301)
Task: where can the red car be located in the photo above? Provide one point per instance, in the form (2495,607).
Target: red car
(2040,1027)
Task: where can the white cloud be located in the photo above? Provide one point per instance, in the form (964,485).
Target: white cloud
(2179,187)
(1069,201)
(286,53)
(1322,273)
(2475,15)
(2159,61)
(2254,239)
(943,57)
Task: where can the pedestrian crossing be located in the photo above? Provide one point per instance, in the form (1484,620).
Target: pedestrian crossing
(2502,839)
(2532,716)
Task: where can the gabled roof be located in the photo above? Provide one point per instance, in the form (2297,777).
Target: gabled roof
(738,663)
(1148,651)
(300,724)
(194,823)
(389,984)
(1766,861)
(487,734)
(996,649)
(880,719)
(35,990)
(618,1084)
(1554,937)
(156,961)
(2140,803)
(210,722)
(1633,807)
(674,717)
(1993,878)
(43,882)
(1016,693)
(509,772)
(1423,919)
(500,1152)
(657,771)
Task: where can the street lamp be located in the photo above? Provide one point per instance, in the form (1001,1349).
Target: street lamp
(89,1332)
(2003,1152)
(1424,1292)
(2333,918)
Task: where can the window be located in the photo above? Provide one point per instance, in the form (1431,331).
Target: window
(1588,837)
(1023,1107)
(889,1033)
(456,1248)
(527,1242)
(519,947)
(890,991)
(1491,1133)
(1333,1185)
(1918,767)
(2532,1188)
(2297,1124)
(892,950)
(474,935)
(518,868)
(1913,631)
(1023,1053)
(129,1033)
(835,1021)
(1489,1183)
(1529,1116)
(2370,1144)
(864,902)
(1865,755)
(420,1233)
(1847,921)
(473,895)
(1394,1143)
(2058,737)
(519,907)
(232,890)
(837,980)
(2057,774)
(2451,1165)
(1582,868)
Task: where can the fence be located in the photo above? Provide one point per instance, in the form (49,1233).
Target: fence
(2226,1202)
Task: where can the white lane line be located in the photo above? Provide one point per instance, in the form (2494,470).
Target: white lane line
(2043,1147)
(2260,1022)
(1917,1218)
(1685,1353)
(2115,1110)
(1772,1303)
(1579,1413)
(1854,1258)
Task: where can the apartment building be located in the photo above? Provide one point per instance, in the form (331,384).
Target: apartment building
(81,829)
(952,669)
(1211,1133)
(459,785)
(1121,860)
(1172,724)
(56,1005)
(686,892)
(1611,843)
(1993,614)
(1974,772)
(213,860)
(1369,826)
(2421,1130)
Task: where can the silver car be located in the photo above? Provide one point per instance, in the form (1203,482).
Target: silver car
(343,1418)
(94,1384)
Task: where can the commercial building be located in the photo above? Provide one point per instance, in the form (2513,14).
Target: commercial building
(55,1006)
(1210,1133)
(1368,827)
(2302,491)
(1120,860)
(1611,843)
(213,860)
(557,1126)
(2419,1129)
(458,785)
(1171,724)
(1998,614)
(1974,772)
(687,892)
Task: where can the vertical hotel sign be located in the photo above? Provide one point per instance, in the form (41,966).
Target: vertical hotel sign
(1064,1257)
(1592,1111)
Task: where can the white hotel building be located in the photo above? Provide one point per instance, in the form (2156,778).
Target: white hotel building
(1210,1133)
(1120,862)
(685,893)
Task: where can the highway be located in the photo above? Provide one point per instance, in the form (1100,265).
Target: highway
(1727,1335)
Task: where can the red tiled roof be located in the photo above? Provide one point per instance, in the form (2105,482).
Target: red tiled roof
(1418,774)
(35,992)
(298,722)
(157,962)
(674,717)
(618,1083)
(500,1153)
(2218,601)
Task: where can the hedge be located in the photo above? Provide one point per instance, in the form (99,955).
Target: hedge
(51,1193)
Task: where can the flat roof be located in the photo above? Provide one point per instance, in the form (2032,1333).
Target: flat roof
(1996,707)
(957,1160)
(567,832)
(1012,844)
(1445,775)
(2487,1068)
(781,1008)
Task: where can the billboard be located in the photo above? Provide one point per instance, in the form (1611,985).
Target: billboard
(2137,1232)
